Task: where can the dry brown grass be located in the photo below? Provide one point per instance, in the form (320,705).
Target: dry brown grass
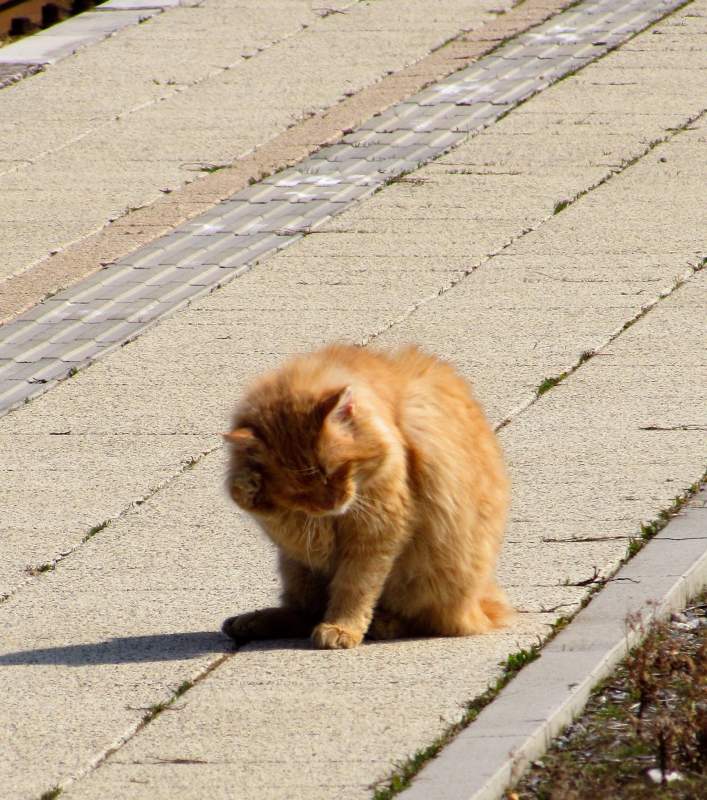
(650,714)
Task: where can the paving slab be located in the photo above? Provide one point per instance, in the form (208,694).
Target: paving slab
(139,225)
(362,163)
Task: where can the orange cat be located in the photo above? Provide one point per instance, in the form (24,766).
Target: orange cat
(381,482)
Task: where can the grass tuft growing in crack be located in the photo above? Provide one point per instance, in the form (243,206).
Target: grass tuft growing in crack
(183,687)
(548,383)
(51,794)
(649,529)
(96,529)
(33,571)
(516,661)
(156,709)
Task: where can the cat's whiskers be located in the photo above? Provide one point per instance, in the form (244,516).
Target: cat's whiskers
(309,535)
(363,508)
(303,471)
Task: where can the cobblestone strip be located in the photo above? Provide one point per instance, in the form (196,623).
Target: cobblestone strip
(70,330)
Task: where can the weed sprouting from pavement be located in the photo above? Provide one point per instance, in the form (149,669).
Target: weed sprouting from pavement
(40,569)
(96,529)
(634,546)
(560,624)
(516,661)
(548,383)
(649,529)
(183,687)
(156,709)
(560,205)
(51,794)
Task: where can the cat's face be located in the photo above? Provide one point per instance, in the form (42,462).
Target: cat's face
(296,456)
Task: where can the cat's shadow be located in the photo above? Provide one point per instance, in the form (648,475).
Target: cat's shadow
(141,649)
(125,650)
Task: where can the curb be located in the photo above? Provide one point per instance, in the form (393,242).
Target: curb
(31,53)
(520,724)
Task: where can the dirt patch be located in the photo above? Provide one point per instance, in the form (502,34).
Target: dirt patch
(644,731)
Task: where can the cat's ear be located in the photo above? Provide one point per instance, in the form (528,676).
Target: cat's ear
(243,438)
(338,405)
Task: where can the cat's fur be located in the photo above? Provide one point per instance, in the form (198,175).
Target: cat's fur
(381,482)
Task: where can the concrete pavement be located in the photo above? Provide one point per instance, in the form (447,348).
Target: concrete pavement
(465,256)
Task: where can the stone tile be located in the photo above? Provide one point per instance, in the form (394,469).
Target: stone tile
(9,350)
(24,331)
(114,331)
(15,371)
(13,393)
(48,370)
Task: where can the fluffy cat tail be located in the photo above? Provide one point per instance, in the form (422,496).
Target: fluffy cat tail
(496,607)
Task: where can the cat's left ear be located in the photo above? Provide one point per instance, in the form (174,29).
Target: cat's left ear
(338,405)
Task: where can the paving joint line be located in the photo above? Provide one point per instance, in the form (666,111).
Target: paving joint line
(266,157)
(645,309)
(37,571)
(176,90)
(58,337)
(691,270)
(153,712)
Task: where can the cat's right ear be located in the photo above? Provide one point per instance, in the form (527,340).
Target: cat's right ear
(243,438)
(338,404)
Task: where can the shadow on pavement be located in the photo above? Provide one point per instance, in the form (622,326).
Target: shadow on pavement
(125,650)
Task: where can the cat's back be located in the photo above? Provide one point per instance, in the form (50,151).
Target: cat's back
(439,415)
(431,386)
(369,371)
(417,387)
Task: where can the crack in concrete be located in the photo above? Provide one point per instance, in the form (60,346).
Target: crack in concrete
(178,89)
(36,573)
(692,270)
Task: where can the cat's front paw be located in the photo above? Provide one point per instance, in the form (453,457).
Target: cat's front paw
(243,627)
(327,636)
